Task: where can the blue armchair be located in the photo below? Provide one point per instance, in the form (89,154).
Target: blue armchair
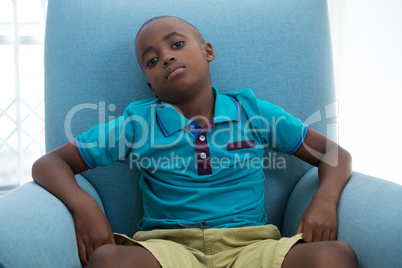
(279,48)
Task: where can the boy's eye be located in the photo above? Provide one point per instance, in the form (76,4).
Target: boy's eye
(178,44)
(151,62)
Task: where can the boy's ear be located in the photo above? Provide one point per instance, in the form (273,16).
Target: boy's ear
(209,51)
(152,89)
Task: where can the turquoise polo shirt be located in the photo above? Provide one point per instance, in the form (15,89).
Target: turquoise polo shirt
(215,175)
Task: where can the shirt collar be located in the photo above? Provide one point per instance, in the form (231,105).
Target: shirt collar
(170,120)
(226,108)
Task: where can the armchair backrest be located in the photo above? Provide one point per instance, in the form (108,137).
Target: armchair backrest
(279,48)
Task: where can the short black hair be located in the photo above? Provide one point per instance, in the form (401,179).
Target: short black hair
(166,16)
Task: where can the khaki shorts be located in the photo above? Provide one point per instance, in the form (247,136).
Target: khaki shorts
(251,247)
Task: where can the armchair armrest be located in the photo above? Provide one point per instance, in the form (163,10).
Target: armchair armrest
(37,230)
(369,217)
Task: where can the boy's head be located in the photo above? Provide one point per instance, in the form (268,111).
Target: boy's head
(196,33)
(174,57)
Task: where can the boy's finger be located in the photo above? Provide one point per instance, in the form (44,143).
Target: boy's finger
(89,249)
(326,235)
(307,234)
(299,228)
(113,240)
(82,252)
(317,235)
(333,235)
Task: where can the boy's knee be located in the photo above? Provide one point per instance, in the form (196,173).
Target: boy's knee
(346,251)
(104,256)
(339,252)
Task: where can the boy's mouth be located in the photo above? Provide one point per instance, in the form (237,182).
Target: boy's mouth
(172,71)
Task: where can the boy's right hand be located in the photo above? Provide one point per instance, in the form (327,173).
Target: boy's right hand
(55,172)
(92,230)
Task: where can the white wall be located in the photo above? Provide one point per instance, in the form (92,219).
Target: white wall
(367,43)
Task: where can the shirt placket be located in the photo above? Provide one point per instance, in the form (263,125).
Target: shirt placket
(202,152)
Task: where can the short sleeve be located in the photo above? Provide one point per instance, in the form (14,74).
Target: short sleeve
(286,133)
(106,143)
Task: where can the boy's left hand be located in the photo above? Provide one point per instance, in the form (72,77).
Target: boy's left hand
(319,221)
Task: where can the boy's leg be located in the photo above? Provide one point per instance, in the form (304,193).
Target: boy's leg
(321,254)
(111,256)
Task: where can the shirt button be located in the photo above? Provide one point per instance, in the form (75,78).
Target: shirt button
(191,127)
(201,138)
(203,155)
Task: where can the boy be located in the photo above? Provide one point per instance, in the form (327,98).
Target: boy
(198,213)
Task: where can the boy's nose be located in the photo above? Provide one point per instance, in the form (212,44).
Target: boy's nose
(167,60)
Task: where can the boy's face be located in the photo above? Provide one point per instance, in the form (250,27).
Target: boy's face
(174,58)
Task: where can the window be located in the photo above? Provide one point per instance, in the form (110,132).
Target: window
(22,25)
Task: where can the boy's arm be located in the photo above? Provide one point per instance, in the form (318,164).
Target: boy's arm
(319,221)
(55,172)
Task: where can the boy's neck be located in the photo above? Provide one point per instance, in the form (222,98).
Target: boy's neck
(200,108)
